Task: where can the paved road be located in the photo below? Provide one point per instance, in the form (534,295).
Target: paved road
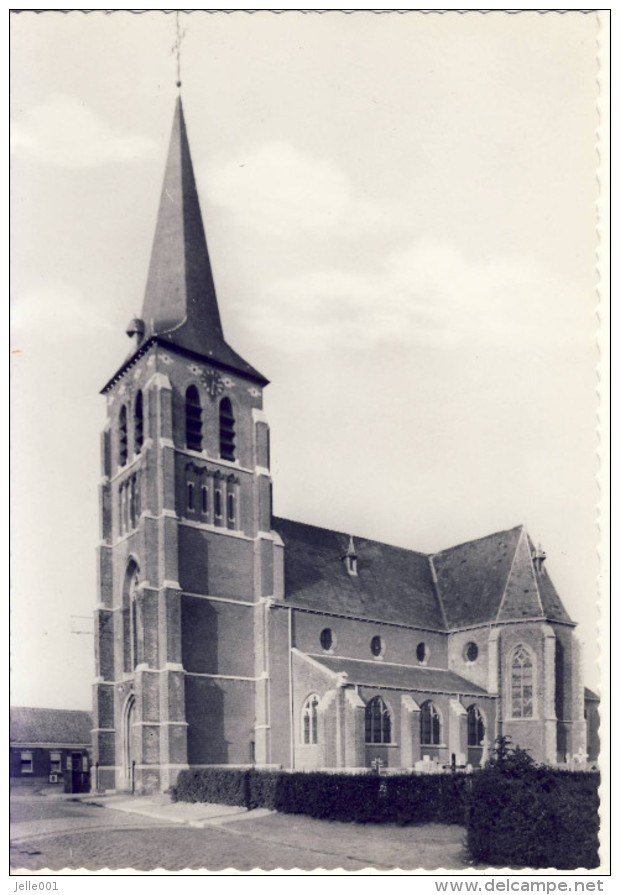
(57,833)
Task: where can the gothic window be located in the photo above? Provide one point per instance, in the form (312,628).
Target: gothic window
(521,683)
(130,618)
(218,503)
(231,508)
(204,492)
(309,718)
(138,424)
(227,430)
(193,419)
(475,726)
(122,436)
(378,721)
(190,495)
(430,725)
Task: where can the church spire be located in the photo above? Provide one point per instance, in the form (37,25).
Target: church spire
(180,304)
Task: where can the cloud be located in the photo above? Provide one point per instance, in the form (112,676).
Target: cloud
(64,132)
(428,293)
(284,191)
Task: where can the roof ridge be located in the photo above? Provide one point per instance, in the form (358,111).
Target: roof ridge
(493,534)
(512,564)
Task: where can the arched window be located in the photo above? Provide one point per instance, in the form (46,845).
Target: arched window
(475,726)
(130,617)
(231,508)
(138,424)
(218,503)
(193,419)
(122,436)
(190,495)
(378,721)
(521,683)
(205,500)
(227,430)
(430,725)
(309,720)
(421,653)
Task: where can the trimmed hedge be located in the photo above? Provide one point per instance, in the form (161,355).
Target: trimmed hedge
(363,798)
(540,818)
(516,815)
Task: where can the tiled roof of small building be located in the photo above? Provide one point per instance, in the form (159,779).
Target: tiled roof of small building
(400,677)
(60,726)
(392,583)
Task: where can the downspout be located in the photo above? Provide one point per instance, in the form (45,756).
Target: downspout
(290,685)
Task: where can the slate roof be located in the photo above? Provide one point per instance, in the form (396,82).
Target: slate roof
(400,677)
(392,583)
(58,726)
(488,580)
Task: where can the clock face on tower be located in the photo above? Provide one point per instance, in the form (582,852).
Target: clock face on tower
(213,383)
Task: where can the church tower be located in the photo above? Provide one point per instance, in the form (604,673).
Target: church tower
(186,558)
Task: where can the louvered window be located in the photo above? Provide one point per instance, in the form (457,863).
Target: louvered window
(122,436)
(227,430)
(193,419)
(138,424)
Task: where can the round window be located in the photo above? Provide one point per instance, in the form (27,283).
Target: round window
(421,652)
(376,646)
(327,639)
(471,652)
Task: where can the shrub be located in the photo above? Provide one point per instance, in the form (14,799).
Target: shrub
(224,786)
(521,815)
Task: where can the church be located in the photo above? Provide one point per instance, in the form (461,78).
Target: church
(225,636)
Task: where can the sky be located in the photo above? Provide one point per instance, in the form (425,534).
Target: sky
(401,217)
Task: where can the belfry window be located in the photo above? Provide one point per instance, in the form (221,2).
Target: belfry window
(522,684)
(227,430)
(309,720)
(378,721)
(122,436)
(204,492)
(190,495)
(193,419)
(475,726)
(138,424)
(218,503)
(231,508)
(430,725)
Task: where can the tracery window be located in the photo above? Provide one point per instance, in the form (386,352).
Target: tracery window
(521,683)
(378,721)
(475,726)
(430,725)
(309,720)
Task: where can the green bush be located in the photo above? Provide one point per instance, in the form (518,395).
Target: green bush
(363,798)
(521,815)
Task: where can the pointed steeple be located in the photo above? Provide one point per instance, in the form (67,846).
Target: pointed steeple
(180,303)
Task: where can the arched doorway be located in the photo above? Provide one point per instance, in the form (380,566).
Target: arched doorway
(129,744)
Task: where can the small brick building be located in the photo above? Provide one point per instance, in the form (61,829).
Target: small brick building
(226,636)
(49,746)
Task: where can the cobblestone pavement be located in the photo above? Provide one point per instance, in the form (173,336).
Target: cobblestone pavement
(59,833)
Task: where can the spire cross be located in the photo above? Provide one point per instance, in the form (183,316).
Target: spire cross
(176,48)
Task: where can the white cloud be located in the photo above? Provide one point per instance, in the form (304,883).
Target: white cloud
(429,293)
(284,191)
(64,132)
